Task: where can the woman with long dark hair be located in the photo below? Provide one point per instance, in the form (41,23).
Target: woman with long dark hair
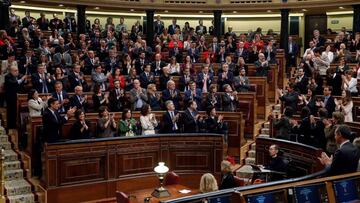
(81,129)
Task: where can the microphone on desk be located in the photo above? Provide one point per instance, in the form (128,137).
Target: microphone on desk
(147,199)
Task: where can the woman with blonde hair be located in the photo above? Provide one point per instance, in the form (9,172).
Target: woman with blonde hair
(208,183)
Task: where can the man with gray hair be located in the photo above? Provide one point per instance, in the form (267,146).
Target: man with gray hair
(170,119)
(172,94)
(14,82)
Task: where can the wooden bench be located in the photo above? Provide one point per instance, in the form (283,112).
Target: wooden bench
(235,122)
(86,170)
(271,79)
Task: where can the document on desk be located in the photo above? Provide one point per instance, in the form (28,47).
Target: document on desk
(184,191)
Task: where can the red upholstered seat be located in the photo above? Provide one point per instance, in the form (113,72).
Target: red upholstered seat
(171,178)
(122,197)
(239,181)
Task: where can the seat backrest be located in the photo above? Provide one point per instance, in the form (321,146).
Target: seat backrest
(122,197)
(239,182)
(171,178)
(244,107)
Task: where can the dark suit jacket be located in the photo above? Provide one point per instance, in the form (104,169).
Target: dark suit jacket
(75,131)
(197,97)
(194,55)
(64,96)
(244,54)
(168,124)
(171,29)
(198,30)
(88,66)
(200,83)
(290,99)
(140,67)
(302,85)
(330,106)
(177,55)
(38,83)
(52,127)
(110,66)
(31,68)
(213,126)
(189,122)
(228,104)
(145,81)
(153,67)
(183,83)
(229,80)
(176,99)
(74,81)
(158,27)
(74,101)
(115,103)
(345,160)
(227,181)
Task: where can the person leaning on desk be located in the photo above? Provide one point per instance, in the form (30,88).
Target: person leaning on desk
(275,169)
(346,157)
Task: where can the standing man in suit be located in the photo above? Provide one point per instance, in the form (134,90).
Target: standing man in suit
(28,63)
(158,26)
(193,94)
(69,23)
(147,77)
(301,81)
(138,96)
(76,78)
(13,84)
(173,27)
(290,99)
(201,29)
(140,63)
(191,118)
(62,58)
(62,97)
(229,99)
(53,122)
(204,79)
(176,52)
(242,52)
(172,94)
(194,53)
(41,81)
(346,158)
(225,77)
(26,21)
(116,97)
(79,100)
(170,119)
(157,65)
(293,51)
(329,102)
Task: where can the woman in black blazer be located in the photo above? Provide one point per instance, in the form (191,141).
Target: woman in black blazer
(227,180)
(81,129)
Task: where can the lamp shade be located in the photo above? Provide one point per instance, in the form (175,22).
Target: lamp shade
(161,168)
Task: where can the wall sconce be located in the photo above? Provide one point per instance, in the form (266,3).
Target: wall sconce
(161,170)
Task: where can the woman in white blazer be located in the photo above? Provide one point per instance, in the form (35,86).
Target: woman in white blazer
(147,120)
(35,104)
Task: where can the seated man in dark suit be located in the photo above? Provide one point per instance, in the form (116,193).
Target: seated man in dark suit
(53,122)
(170,119)
(191,118)
(346,158)
(172,94)
(141,63)
(225,77)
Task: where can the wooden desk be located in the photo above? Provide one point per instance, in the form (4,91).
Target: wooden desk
(139,195)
